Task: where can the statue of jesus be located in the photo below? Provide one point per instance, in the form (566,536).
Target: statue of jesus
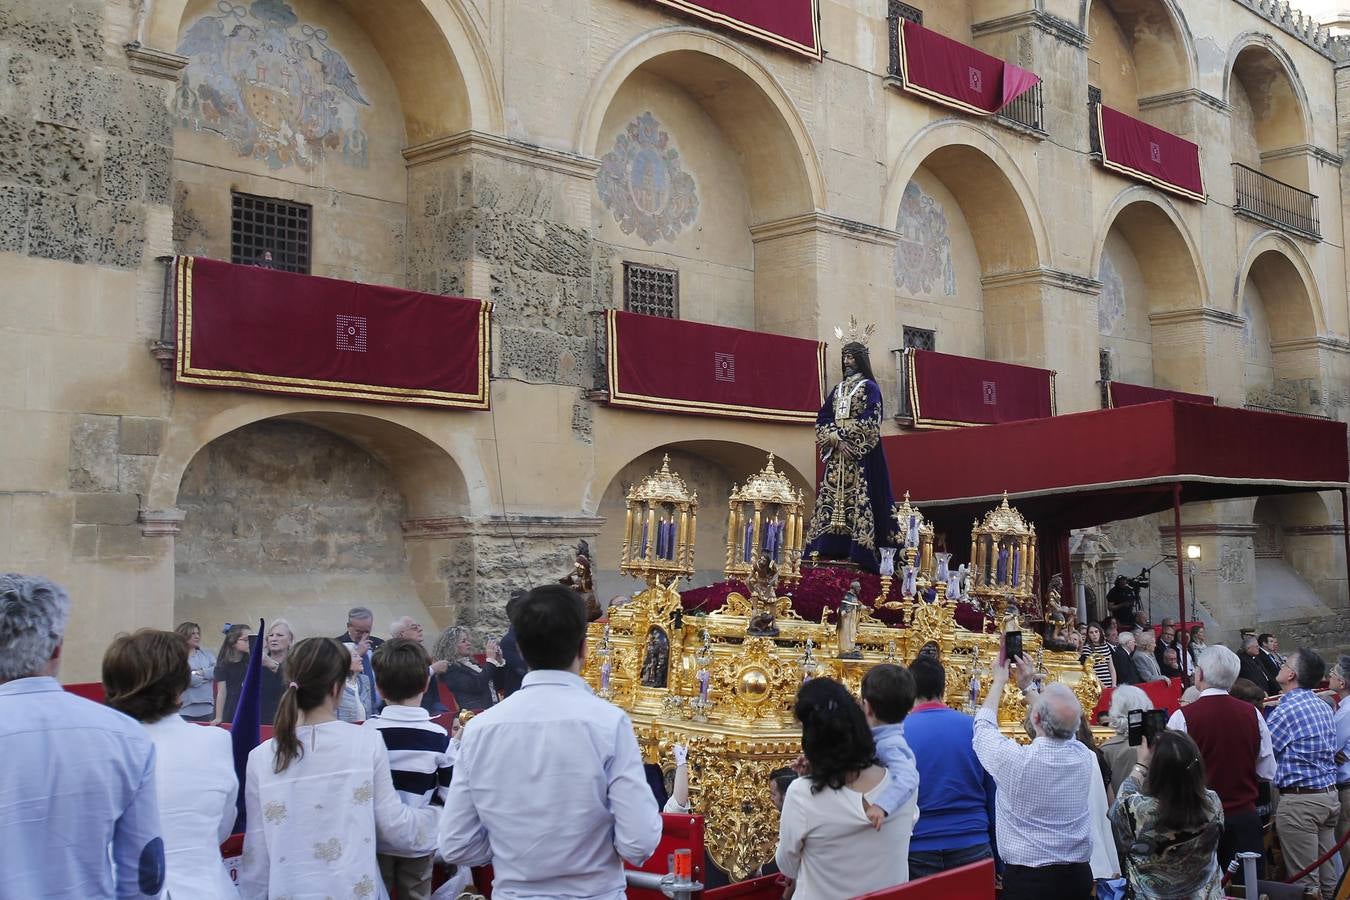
(852,519)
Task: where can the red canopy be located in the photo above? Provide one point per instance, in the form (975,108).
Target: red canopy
(1084,469)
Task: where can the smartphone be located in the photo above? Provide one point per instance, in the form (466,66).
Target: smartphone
(1144,725)
(1012,645)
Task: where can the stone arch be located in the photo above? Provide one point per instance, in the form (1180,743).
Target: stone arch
(1157,39)
(1270,118)
(1283,271)
(1299,556)
(1144,247)
(710,467)
(431,478)
(782,172)
(413,37)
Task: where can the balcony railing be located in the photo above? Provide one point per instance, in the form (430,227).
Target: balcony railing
(1274,202)
(1027,110)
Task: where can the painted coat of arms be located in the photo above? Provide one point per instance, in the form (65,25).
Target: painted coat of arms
(642,184)
(270,85)
(923,255)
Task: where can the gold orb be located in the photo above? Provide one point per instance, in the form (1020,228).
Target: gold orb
(754,684)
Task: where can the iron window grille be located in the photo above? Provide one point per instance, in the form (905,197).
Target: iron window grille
(895,12)
(651,290)
(912,339)
(265,225)
(1104,375)
(1094,100)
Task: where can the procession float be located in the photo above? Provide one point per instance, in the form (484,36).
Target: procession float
(858,582)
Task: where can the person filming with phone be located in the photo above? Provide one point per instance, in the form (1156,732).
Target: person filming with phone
(1042,823)
(1166,820)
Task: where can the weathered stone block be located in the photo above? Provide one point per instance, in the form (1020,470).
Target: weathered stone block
(118,234)
(107,509)
(543,356)
(14,159)
(93,453)
(140,436)
(57,226)
(157,163)
(13,219)
(123,176)
(22,76)
(134,473)
(121,541)
(84,541)
(60,159)
(42,26)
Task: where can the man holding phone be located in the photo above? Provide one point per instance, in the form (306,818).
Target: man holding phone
(1041,821)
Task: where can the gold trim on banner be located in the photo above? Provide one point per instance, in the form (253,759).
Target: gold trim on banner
(1137,175)
(931,94)
(188,374)
(921,423)
(717,18)
(1110,392)
(619,397)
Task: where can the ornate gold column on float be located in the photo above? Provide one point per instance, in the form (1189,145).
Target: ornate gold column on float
(765,516)
(659,527)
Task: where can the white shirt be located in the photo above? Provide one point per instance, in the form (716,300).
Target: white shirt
(1105,860)
(313,829)
(549,788)
(1265,757)
(826,843)
(197,789)
(1040,817)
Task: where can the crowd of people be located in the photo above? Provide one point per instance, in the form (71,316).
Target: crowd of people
(132,798)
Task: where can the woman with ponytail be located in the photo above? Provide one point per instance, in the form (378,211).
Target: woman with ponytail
(319,797)
(825,842)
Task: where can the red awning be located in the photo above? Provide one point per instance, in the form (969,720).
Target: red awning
(1149,154)
(1119,393)
(1084,469)
(949,72)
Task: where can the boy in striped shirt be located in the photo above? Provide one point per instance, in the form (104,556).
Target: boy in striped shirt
(421,753)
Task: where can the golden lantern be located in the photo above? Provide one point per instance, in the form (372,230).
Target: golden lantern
(1003,559)
(658,535)
(914,562)
(765,516)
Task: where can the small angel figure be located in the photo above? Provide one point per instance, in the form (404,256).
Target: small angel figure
(850,609)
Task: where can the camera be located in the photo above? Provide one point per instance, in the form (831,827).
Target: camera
(1012,645)
(1145,725)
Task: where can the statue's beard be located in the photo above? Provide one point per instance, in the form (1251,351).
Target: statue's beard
(850,370)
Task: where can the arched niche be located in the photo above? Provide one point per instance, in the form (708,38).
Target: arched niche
(743,161)
(1148,265)
(710,468)
(967,221)
(1281,311)
(1138,49)
(1299,555)
(286,517)
(1269,119)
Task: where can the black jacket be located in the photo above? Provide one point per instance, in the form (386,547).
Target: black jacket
(1126,673)
(1250,668)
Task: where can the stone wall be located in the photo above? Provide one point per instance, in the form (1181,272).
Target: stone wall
(85,146)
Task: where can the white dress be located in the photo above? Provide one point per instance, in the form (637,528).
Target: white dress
(314,829)
(197,790)
(826,843)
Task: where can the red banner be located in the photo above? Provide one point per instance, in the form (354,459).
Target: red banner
(688,367)
(1121,394)
(256,329)
(953,74)
(1149,154)
(960,390)
(791,24)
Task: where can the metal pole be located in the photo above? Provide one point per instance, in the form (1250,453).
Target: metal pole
(1181,560)
(1345,532)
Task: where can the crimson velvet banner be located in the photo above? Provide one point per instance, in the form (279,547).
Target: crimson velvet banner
(953,74)
(1141,151)
(791,24)
(250,328)
(689,367)
(959,390)
(1118,393)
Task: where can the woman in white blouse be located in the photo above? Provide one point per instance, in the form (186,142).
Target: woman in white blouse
(825,842)
(319,797)
(145,675)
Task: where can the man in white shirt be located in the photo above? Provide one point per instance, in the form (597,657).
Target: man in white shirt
(1236,747)
(1042,822)
(548,784)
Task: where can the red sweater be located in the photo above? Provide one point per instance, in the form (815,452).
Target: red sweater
(1225,729)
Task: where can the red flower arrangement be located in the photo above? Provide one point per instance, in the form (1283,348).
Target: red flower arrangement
(820,588)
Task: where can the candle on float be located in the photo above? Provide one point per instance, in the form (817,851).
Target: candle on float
(703,678)
(628,529)
(643,552)
(649,529)
(749,542)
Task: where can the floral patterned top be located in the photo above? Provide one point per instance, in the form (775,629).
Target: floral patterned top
(1167,865)
(313,830)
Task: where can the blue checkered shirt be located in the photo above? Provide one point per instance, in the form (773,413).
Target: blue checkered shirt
(1303,735)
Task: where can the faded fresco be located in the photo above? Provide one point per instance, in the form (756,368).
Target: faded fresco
(272,86)
(923,255)
(642,183)
(1111,303)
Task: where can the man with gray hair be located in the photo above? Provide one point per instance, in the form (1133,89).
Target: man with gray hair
(78,812)
(407,627)
(1236,747)
(1041,814)
(360,623)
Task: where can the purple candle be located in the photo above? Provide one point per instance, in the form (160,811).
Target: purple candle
(749,542)
(644,540)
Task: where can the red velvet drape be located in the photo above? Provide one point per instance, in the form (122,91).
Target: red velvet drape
(791,24)
(959,390)
(954,74)
(1148,153)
